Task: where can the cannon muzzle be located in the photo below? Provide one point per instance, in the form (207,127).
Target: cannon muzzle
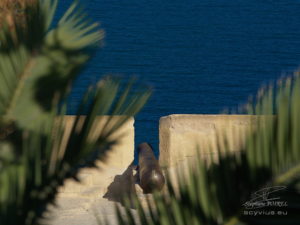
(150,174)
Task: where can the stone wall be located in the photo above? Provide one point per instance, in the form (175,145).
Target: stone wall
(180,136)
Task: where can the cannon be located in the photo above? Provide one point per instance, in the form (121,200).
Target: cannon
(150,175)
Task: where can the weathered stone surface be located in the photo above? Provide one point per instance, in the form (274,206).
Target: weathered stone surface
(180,136)
(82,209)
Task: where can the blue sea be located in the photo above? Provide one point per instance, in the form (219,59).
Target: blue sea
(200,56)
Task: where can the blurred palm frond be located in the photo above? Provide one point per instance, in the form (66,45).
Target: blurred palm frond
(39,60)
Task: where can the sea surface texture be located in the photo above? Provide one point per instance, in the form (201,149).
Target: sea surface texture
(200,56)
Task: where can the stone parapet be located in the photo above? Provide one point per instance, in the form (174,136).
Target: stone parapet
(181,136)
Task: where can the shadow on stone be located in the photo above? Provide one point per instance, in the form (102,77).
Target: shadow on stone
(123,186)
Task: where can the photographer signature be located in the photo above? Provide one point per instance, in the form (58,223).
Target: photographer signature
(261,198)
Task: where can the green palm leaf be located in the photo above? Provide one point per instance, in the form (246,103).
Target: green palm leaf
(46,159)
(38,64)
(37,154)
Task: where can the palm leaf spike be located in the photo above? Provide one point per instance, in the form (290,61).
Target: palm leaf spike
(288,144)
(49,8)
(295,108)
(117,109)
(267,122)
(143,213)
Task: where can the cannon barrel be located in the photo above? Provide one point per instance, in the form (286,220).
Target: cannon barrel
(150,174)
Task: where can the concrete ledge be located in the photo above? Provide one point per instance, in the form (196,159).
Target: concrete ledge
(181,135)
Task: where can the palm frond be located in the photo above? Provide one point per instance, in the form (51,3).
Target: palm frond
(47,159)
(38,63)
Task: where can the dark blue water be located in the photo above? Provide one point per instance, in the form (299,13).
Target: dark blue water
(200,56)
